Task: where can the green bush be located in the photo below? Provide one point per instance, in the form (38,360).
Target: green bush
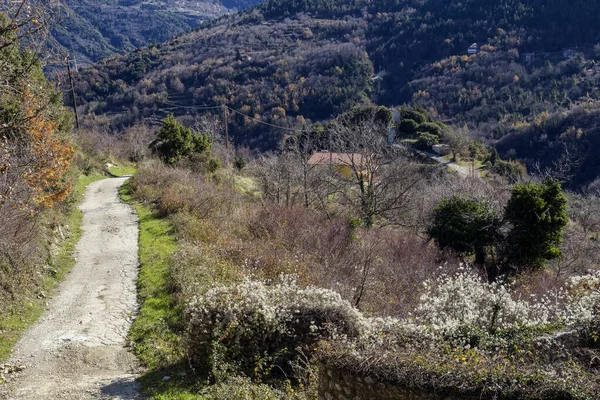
(239,163)
(434,128)
(426,140)
(465,225)
(212,165)
(408,127)
(538,215)
(176,142)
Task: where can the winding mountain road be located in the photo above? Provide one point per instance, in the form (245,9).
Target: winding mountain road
(77,350)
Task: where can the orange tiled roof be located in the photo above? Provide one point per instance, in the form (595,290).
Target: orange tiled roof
(326,158)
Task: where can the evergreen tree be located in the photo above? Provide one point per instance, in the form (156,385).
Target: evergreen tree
(175,142)
(467,226)
(537,214)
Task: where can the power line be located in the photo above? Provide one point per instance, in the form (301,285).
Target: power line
(188,107)
(229,108)
(261,122)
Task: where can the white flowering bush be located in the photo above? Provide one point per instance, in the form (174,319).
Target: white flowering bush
(255,325)
(584,308)
(465,307)
(452,303)
(257,328)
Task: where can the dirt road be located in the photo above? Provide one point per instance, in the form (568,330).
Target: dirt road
(77,348)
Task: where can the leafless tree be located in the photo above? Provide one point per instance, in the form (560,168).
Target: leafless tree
(584,209)
(458,141)
(562,169)
(278,178)
(137,141)
(313,178)
(373,178)
(211,125)
(28,21)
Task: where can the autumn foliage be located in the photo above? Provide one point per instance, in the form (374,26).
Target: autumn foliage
(51,156)
(35,160)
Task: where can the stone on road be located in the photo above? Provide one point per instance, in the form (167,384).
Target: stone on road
(77,350)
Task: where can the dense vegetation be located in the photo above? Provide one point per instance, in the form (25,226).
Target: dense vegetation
(254,269)
(288,62)
(94,30)
(38,186)
(275,257)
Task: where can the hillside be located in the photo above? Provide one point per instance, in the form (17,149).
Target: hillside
(284,62)
(93,30)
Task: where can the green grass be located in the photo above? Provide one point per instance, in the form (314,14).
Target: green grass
(247,186)
(21,316)
(409,141)
(122,169)
(157,331)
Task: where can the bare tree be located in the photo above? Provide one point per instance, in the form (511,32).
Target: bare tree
(562,169)
(312,177)
(211,125)
(376,180)
(458,141)
(137,142)
(278,178)
(28,22)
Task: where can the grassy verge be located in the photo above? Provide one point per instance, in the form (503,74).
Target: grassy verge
(157,330)
(60,261)
(122,169)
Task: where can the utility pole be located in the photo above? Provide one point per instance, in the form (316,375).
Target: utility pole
(73,93)
(226,127)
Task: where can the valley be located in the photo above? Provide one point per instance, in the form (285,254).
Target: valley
(335,199)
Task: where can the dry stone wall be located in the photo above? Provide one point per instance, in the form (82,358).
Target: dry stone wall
(338,385)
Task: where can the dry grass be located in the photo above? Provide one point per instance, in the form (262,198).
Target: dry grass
(381,269)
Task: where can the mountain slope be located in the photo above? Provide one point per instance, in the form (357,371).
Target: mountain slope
(93,30)
(287,59)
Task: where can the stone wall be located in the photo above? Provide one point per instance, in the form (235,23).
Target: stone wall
(337,385)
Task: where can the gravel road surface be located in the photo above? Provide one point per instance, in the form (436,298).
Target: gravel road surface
(77,350)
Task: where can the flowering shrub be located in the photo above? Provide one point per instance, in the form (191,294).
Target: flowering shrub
(453,302)
(585,303)
(255,325)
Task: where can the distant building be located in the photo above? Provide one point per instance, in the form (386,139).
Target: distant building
(569,53)
(529,57)
(473,49)
(344,164)
(335,159)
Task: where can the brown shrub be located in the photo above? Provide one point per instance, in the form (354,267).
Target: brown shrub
(380,270)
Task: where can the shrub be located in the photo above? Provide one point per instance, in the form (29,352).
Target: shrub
(512,170)
(426,140)
(212,165)
(408,127)
(538,215)
(256,326)
(175,142)
(434,128)
(466,226)
(463,301)
(239,163)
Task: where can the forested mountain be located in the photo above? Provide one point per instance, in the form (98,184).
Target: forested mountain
(92,30)
(287,61)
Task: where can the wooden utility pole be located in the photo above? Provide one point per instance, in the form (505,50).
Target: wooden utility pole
(73,93)
(226,126)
